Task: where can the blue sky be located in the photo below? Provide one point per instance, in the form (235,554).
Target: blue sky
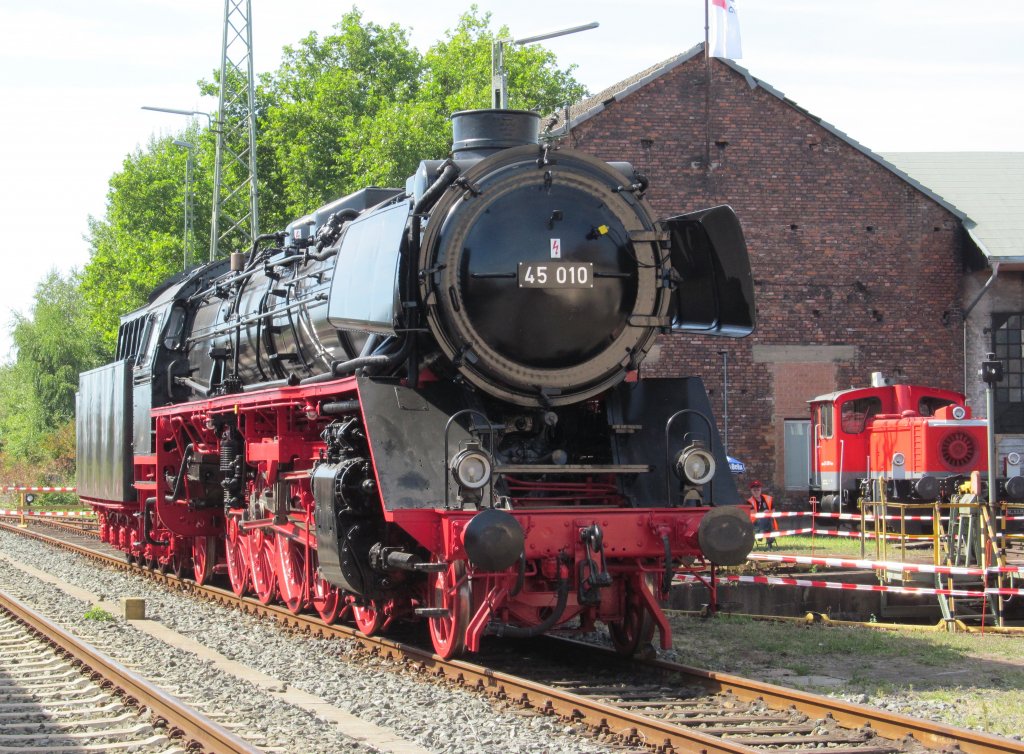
(912,75)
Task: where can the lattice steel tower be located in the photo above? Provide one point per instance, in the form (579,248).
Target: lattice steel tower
(235,219)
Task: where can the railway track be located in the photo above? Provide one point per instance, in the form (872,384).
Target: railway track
(74,525)
(58,693)
(648,704)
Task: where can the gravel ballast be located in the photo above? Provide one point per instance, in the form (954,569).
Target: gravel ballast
(437,717)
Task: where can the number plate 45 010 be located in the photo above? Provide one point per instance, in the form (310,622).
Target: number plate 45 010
(556,275)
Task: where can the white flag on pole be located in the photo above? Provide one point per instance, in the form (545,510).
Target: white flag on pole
(725,30)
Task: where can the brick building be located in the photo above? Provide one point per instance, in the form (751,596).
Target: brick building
(989,188)
(857,268)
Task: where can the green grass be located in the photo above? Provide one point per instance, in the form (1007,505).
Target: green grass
(844,547)
(993,711)
(58,501)
(97,613)
(980,676)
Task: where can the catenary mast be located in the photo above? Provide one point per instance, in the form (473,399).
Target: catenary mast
(235,218)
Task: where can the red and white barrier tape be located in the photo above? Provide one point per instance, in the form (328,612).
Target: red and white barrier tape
(783,533)
(55,514)
(857,587)
(869,535)
(872,517)
(37,489)
(779,514)
(888,565)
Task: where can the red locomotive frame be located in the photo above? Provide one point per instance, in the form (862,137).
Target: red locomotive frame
(276,557)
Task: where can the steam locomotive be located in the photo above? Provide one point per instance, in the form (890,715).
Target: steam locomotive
(426,402)
(900,444)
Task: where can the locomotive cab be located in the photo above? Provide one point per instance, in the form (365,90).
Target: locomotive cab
(892,443)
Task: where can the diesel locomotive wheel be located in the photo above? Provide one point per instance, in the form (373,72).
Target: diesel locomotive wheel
(204,557)
(261,552)
(636,629)
(291,572)
(450,590)
(327,600)
(238,569)
(369,617)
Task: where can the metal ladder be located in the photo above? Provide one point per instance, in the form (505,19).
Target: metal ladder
(963,543)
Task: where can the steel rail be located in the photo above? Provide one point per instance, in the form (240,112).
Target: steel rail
(598,714)
(892,725)
(181,719)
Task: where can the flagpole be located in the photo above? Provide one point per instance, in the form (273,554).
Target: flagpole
(707,89)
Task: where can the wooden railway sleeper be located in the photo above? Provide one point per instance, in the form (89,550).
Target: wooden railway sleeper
(743,739)
(692,722)
(762,730)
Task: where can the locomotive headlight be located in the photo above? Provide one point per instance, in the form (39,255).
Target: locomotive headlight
(471,467)
(898,459)
(959,412)
(695,464)
(1013,458)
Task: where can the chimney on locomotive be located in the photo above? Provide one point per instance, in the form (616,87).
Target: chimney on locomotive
(478,133)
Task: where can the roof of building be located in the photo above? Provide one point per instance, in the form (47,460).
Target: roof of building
(987,186)
(985,191)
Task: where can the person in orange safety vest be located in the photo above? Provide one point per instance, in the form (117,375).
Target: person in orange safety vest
(760,503)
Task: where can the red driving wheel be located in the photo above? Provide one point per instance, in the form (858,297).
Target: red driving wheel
(450,590)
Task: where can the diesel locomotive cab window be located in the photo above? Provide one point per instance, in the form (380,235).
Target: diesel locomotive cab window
(855,414)
(928,406)
(823,419)
(1007,339)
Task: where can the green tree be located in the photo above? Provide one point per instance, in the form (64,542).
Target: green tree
(37,392)
(54,341)
(358,107)
(459,71)
(139,242)
(322,97)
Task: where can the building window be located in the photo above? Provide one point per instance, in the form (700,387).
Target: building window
(797,452)
(1009,394)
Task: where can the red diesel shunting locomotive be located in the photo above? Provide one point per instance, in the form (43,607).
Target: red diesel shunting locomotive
(424,402)
(898,443)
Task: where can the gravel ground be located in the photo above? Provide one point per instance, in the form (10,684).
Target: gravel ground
(436,717)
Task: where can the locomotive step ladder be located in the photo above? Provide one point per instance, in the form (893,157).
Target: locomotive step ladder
(967,542)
